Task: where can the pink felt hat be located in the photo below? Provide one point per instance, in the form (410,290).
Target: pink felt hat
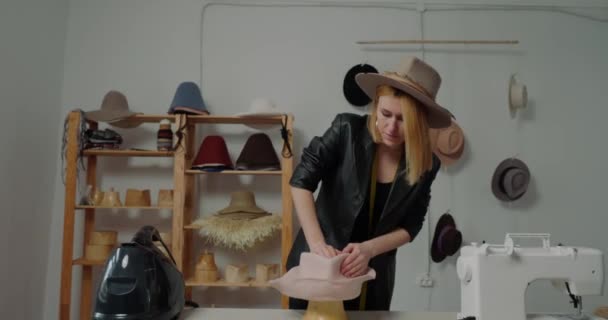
(318,278)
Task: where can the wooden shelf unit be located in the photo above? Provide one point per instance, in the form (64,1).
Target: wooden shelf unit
(183,202)
(70,207)
(185,254)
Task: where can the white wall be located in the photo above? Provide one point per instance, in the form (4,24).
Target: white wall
(31,59)
(298,57)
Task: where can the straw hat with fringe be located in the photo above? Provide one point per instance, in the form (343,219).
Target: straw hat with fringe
(240,225)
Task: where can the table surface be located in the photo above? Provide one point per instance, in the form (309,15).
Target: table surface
(282,314)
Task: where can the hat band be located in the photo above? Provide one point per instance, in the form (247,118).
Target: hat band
(410,82)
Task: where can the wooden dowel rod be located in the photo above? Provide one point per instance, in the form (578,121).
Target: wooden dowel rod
(440,42)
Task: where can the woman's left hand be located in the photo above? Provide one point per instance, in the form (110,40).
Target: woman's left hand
(356,264)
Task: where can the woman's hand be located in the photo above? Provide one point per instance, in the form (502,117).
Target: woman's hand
(357,262)
(323,249)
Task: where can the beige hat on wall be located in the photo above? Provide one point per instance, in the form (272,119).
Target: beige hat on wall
(447,143)
(518,96)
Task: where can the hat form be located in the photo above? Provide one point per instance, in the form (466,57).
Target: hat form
(243,202)
(258,154)
(446,239)
(188,100)
(213,155)
(318,278)
(518,96)
(510,180)
(352,92)
(261,107)
(447,143)
(416,78)
(114,110)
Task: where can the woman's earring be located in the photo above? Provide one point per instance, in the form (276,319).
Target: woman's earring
(376,123)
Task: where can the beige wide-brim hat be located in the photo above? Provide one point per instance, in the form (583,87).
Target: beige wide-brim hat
(318,278)
(261,107)
(447,143)
(416,78)
(242,202)
(115,111)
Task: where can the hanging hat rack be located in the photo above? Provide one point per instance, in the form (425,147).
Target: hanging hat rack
(506,42)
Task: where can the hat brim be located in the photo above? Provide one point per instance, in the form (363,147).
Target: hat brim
(108,116)
(245,209)
(445,220)
(295,285)
(130,122)
(439,117)
(258,114)
(501,169)
(190,110)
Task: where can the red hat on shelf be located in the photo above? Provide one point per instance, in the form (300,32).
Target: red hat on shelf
(213,155)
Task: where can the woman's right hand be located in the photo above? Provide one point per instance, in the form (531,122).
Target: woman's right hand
(324,250)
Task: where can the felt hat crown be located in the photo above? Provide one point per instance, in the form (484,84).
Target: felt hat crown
(258,154)
(447,143)
(212,155)
(114,110)
(446,239)
(510,180)
(188,99)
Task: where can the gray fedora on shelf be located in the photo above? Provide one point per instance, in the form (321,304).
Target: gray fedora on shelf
(416,78)
(115,111)
(510,180)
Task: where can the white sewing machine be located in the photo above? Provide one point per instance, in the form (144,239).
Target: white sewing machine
(494,278)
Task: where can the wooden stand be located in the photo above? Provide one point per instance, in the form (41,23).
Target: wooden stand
(325,310)
(183,201)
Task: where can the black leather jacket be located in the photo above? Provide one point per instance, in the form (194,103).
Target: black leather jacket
(342,160)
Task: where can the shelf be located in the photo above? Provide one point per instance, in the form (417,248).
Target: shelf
(222,283)
(123,207)
(239,172)
(86,262)
(235,120)
(127,153)
(150,118)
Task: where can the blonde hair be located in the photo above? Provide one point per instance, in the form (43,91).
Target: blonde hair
(418,154)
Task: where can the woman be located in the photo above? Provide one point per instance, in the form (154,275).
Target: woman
(377,172)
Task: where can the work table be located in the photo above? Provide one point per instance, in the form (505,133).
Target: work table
(282,314)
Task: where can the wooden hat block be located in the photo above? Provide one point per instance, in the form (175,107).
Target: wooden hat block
(265,272)
(237,273)
(165,198)
(100,245)
(137,198)
(206,269)
(325,310)
(111,198)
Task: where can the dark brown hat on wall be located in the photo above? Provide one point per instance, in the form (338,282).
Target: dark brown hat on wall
(446,240)
(510,180)
(258,154)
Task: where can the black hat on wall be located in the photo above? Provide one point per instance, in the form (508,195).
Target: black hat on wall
(352,92)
